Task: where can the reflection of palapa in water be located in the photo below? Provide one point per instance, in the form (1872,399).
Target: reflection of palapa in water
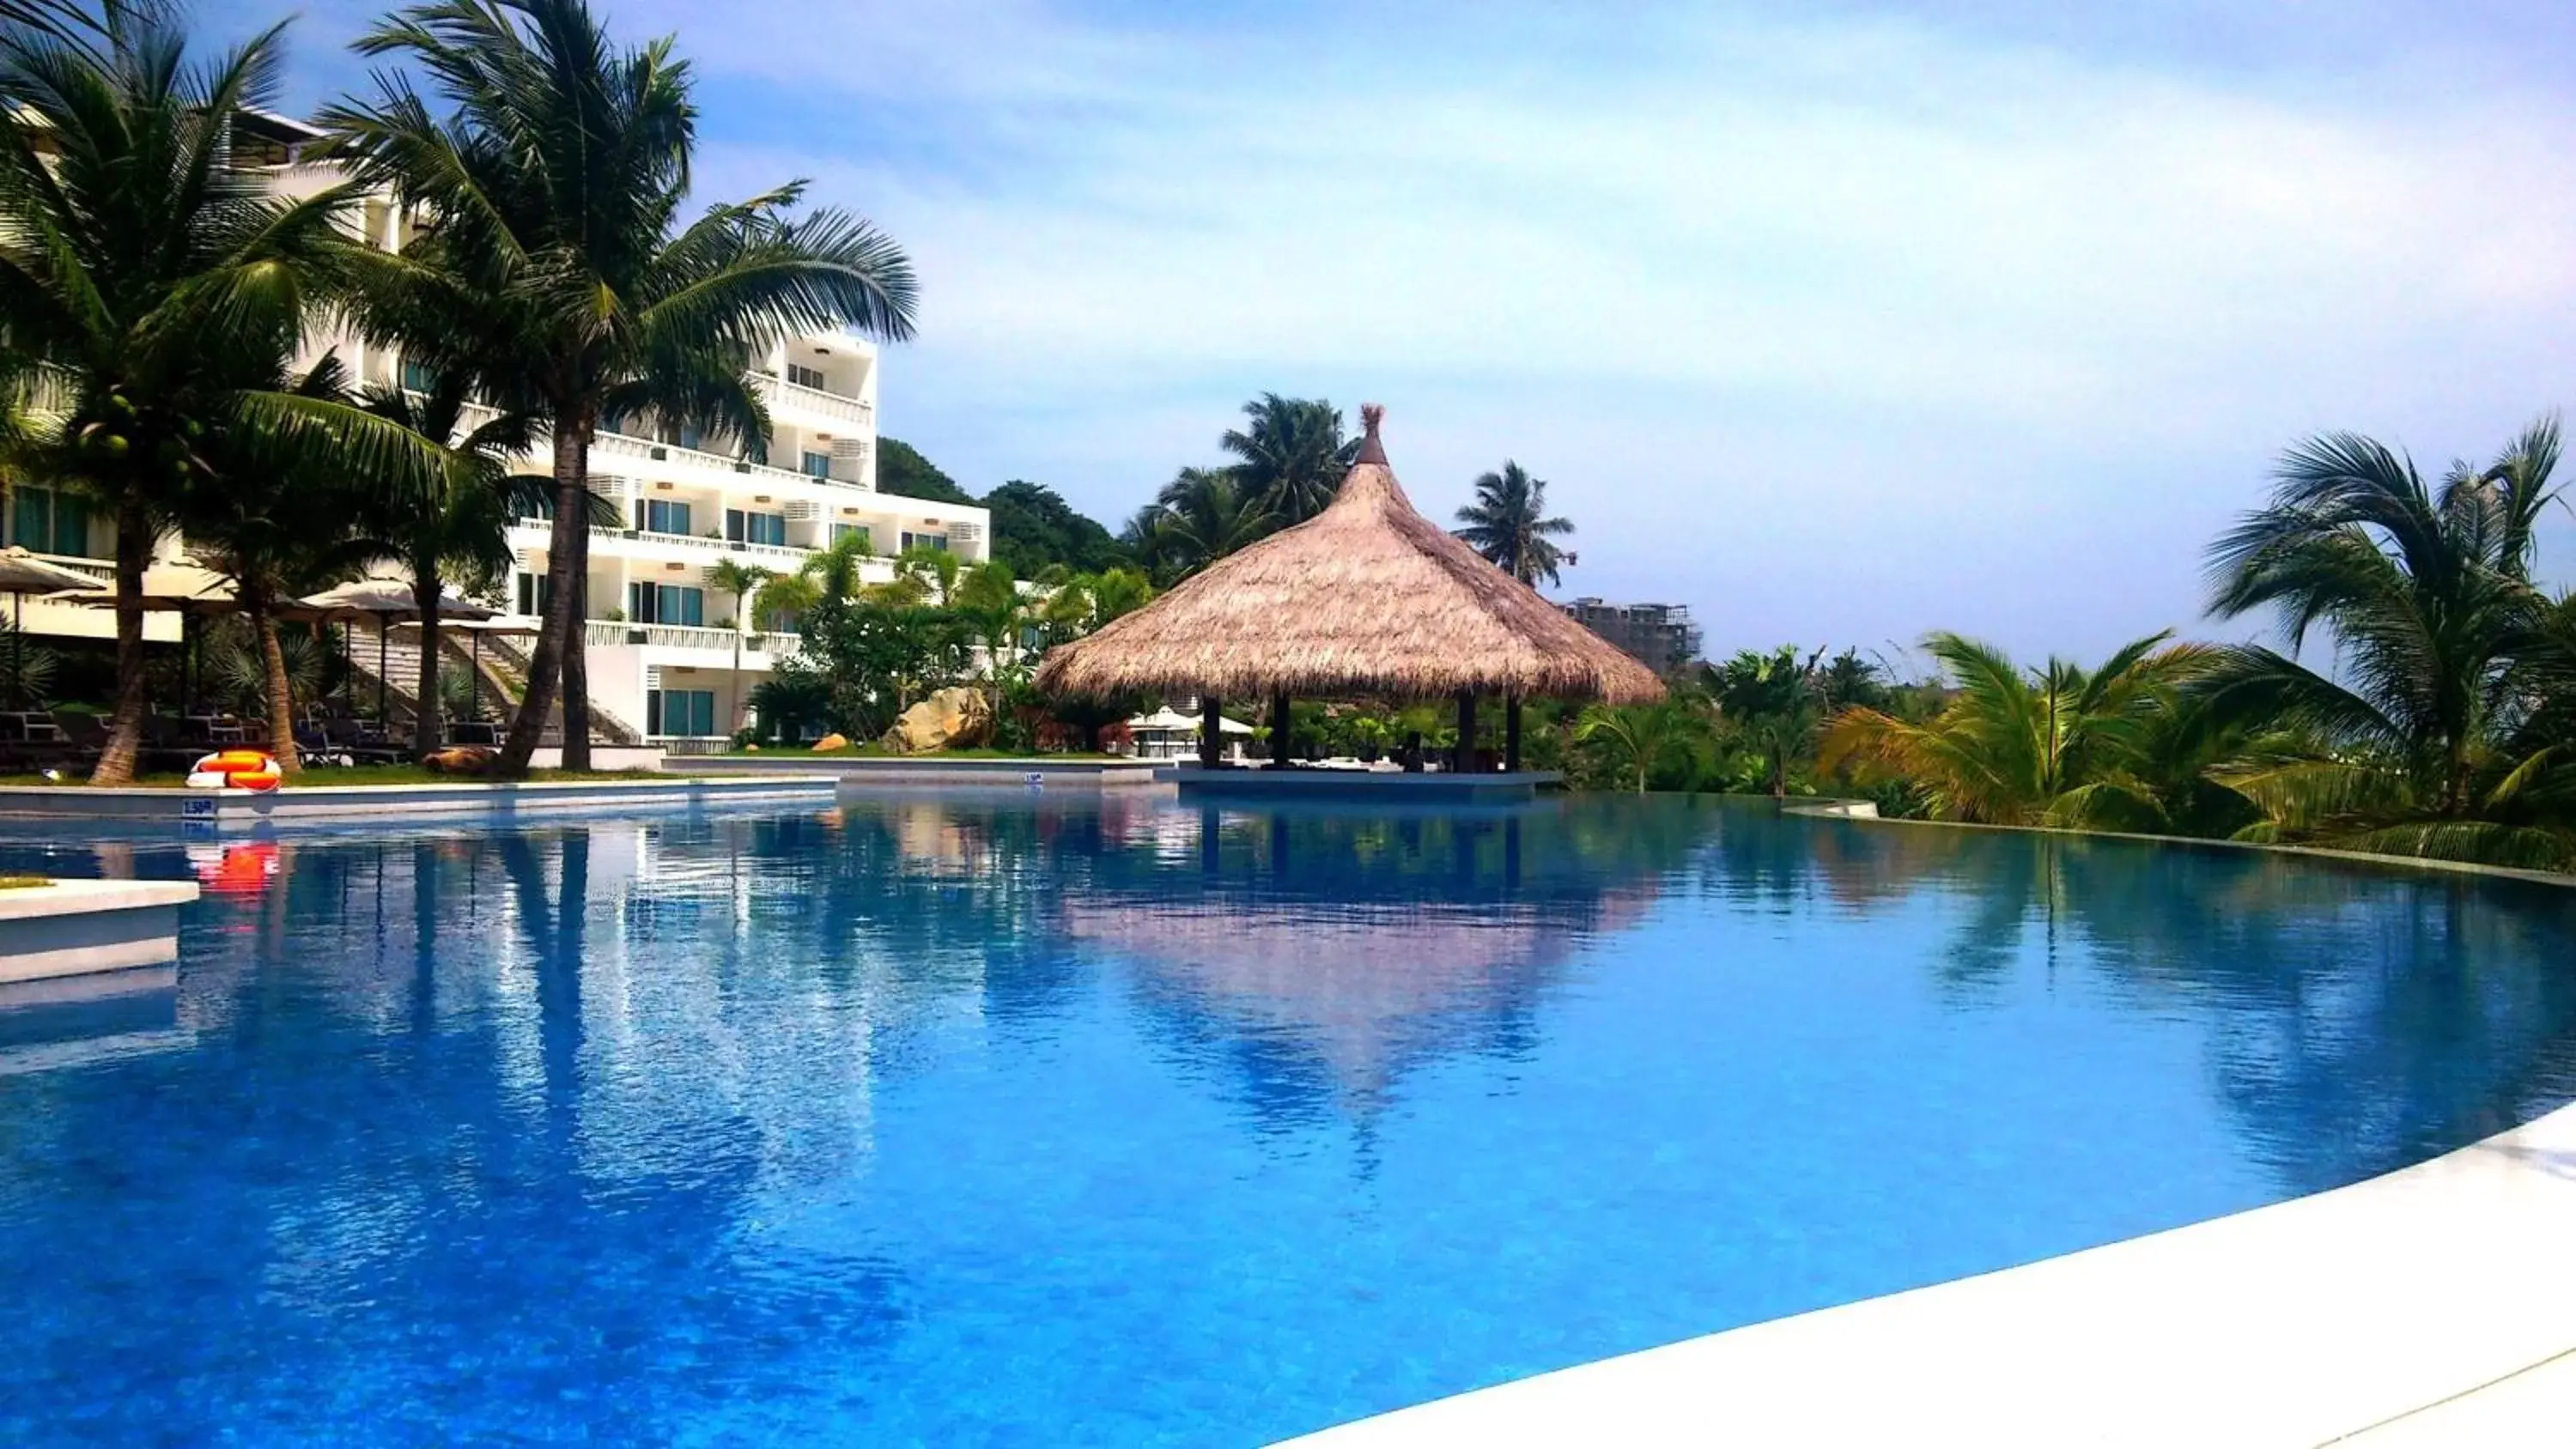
(1366,989)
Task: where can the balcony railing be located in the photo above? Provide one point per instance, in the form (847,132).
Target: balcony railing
(610,634)
(815,400)
(619,445)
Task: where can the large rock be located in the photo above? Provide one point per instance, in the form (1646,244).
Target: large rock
(463,760)
(948,719)
(833,741)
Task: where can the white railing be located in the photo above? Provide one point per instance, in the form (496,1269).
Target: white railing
(815,400)
(780,552)
(609,634)
(619,445)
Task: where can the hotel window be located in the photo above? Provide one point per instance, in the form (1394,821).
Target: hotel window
(42,520)
(681,711)
(744,527)
(535,592)
(417,378)
(657,515)
(935,542)
(818,465)
(666,604)
(804,376)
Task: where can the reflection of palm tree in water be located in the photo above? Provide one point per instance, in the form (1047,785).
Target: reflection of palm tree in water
(2359,1019)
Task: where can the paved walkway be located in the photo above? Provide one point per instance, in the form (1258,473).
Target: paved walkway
(2432,1307)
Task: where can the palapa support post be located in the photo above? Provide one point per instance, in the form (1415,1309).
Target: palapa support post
(1279,731)
(1512,733)
(1211,731)
(1466,730)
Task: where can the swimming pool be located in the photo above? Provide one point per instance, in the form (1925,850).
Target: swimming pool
(953,1121)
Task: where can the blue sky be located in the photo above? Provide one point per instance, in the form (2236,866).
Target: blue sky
(1838,322)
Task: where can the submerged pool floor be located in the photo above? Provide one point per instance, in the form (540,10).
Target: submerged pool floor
(1117,1121)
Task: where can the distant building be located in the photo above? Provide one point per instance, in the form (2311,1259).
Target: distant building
(1661,636)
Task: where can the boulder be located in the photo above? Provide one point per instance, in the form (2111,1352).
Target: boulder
(462,760)
(833,741)
(947,719)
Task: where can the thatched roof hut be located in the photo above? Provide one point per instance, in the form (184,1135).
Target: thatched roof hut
(1367,597)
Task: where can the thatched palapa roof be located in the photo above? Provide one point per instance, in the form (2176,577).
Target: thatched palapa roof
(1367,597)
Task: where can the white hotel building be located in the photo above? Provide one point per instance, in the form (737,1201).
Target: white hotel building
(661,641)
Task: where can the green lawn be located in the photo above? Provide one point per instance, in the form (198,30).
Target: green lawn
(875,751)
(360,775)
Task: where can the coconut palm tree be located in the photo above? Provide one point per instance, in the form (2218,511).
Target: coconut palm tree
(1208,513)
(2427,596)
(1508,524)
(462,531)
(557,271)
(1640,734)
(2056,745)
(1774,702)
(742,581)
(1290,456)
(165,288)
(274,533)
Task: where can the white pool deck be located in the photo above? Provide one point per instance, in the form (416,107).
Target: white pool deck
(2435,1306)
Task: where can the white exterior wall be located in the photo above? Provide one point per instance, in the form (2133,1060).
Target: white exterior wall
(837,422)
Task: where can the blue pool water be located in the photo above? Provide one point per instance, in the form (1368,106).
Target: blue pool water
(954,1122)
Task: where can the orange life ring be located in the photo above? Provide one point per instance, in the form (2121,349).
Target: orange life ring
(236,770)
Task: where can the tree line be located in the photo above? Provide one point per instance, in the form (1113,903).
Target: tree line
(2444,726)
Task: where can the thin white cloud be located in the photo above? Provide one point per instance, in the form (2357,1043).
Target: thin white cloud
(1848,327)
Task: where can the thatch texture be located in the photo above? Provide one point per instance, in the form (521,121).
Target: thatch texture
(1368,597)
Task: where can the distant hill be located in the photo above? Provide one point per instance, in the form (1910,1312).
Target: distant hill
(1033,526)
(902,469)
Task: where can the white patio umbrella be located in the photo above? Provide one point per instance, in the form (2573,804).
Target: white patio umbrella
(386,601)
(474,630)
(21,574)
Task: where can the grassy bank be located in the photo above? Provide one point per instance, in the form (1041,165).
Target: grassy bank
(355,775)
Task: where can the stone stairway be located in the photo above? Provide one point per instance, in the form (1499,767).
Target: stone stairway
(503,664)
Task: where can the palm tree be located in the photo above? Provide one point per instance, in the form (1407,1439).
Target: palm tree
(274,532)
(1639,733)
(1508,525)
(2427,595)
(741,580)
(1207,514)
(166,289)
(2057,745)
(1290,456)
(557,273)
(988,599)
(1774,701)
(463,529)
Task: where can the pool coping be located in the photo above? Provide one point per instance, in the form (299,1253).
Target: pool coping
(2438,1295)
(88,928)
(2431,1305)
(248,810)
(900,770)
